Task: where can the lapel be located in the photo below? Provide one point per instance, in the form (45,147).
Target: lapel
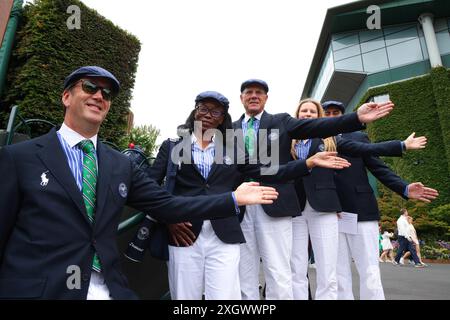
(315,142)
(105,168)
(54,158)
(215,165)
(264,123)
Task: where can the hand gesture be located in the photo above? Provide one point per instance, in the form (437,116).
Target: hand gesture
(327,159)
(181,233)
(253,193)
(418,191)
(372,111)
(413,143)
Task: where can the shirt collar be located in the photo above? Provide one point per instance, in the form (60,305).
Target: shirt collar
(73,138)
(258,117)
(194,141)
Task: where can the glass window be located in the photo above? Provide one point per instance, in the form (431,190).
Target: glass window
(347,52)
(400,35)
(423,44)
(443,40)
(440,25)
(324,76)
(345,42)
(404,53)
(373,45)
(350,64)
(368,35)
(375,61)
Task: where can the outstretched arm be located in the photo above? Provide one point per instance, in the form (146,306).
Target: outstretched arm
(295,168)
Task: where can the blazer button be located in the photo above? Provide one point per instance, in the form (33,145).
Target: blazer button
(207,186)
(94,242)
(85,277)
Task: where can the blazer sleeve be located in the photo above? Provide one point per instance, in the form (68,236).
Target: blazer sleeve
(383,173)
(9,197)
(322,127)
(353,148)
(281,173)
(157,171)
(146,195)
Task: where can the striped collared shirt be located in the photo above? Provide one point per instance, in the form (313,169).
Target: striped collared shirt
(203,158)
(302,149)
(69,140)
(256,122)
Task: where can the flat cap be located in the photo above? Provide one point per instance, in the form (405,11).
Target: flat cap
(331,103)
(92,71)
(220,98)
(253,82)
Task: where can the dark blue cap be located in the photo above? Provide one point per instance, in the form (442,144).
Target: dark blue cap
(220,98)
(92,71)
(332,103)
(253,82)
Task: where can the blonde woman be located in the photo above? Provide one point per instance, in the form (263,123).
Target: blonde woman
(319,203)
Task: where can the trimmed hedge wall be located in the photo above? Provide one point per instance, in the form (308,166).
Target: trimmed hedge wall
(46,51)
(421,106)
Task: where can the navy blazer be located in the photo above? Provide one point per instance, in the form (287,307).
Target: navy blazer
(44,229)
(319,187)
(290,128)
(222,177)
(354,191)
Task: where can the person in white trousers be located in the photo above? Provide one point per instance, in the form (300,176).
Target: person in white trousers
(356,196)
(320,204)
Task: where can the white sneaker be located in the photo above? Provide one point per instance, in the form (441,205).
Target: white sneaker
(402,261)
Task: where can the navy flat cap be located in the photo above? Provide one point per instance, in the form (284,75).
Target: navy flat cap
(92,71)
(332,103)
(253,82)
(220,98)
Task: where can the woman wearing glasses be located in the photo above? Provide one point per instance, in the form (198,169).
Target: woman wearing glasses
(204,254)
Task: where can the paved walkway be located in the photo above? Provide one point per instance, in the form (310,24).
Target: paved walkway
(408,283)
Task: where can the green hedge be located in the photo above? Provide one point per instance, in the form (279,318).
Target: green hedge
(46,51)
(421,106)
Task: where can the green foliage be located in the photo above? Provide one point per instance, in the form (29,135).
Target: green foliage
(46,51)
(419,107)
(441,87)
(432,252)
(441,213)
(144,137)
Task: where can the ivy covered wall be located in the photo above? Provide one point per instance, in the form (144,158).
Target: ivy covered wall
(46,51)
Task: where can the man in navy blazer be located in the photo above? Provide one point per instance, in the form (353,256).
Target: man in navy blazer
(47,240)
(268,228)
(356,196)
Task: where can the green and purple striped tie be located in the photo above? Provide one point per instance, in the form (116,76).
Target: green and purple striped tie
(89,187)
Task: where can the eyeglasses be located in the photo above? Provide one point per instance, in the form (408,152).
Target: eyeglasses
(202,110)
(91,88)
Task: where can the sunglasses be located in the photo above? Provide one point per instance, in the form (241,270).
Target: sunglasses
(202,110)
(91,88)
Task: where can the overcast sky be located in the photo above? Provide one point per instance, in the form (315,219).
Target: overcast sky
(190,46)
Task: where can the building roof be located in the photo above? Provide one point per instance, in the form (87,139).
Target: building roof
(353,16)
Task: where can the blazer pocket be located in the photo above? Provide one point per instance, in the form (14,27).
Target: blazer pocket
(22,288)
(320,186)
(363,189)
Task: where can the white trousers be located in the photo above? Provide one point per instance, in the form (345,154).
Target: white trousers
(322,228)
(209,266)
(269,239)
(97,288)
(363,247)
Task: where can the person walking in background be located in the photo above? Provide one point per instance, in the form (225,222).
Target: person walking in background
(415,240)
(387,248)
(405,240)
